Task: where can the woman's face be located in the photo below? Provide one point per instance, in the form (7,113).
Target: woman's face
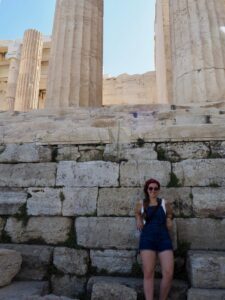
(153,190)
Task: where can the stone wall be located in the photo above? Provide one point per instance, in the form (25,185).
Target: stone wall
(69,209)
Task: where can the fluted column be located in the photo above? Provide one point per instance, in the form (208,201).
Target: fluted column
(30,71)
(76,59)
(13,55)
(163,59)
(198,50)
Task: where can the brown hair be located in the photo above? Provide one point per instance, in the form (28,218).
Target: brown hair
(146,199)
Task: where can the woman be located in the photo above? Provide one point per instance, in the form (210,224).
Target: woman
(154,219)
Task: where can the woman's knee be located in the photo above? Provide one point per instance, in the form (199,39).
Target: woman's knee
(149,274)
(167,274)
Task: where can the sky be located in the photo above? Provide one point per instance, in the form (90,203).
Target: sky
(128,30)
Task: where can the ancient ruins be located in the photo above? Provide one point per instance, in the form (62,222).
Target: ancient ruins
(77,146)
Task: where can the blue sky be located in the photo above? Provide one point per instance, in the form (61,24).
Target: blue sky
(128,30)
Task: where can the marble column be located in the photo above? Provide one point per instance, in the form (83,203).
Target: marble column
(27,90)
(13,55)
(163,58)
(76,59)
(198,50)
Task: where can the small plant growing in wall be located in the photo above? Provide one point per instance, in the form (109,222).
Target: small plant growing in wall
(214,184)
(174,181)
(140,142)
(22,215)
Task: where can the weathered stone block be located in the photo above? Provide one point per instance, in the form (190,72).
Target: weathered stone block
(201,172)
(26,175)
(79,201)
(68,285)
(52,230)
(10,262)
(44,201)
(202,233)
(11,201)
(91,154)
(71,261)
(49,297)
(67,153)
(205,294)
(183,150)
(87,174)
(178,290)
(21,290)
(120,152)
(112,291)
(106,232)
(209,202)
(113,261)
(117,201)
(207,269)
(11,153)
(2,224)
(36,260)
(180,199)
(135,173)
(217,149)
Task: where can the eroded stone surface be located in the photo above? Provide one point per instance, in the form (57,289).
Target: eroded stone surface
(205,294)
(71,261)
(113,261)
(110,232)
(10,262)
(68,285)
(207,269)
(36,260)
(11,201)
(134,173)
(201,233)
(44,201)
(87,174)
(52,230)
(67,153)
(113,291)
(79,201)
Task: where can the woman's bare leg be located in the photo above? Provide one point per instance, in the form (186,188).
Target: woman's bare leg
(148,258)
(167,265)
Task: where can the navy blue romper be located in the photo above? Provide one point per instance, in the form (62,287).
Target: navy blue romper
(154,235)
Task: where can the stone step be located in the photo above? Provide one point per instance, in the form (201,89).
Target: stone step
(21,290)
(206,269)
(178,291)
(206,294)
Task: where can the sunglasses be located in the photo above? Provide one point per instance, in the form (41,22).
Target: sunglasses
(153,189)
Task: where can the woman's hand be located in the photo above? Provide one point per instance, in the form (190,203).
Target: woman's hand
(139,223)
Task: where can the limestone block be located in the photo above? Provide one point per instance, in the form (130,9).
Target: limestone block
(113,291)
(67,153)
(207,269)
(106,232)
(44,201)
(89,155)
(52,230)
(11,201)
(178,290)
(24,153)
(117,201)
(10,262)
(201,233)
(209,202)
(87,174)
(205,294)
(118,152)
(201,172)
(21,290)
(71,261)
(113,261)
(26,175)
(135,173)
(218,149)
(36,260)
(68,285)
(183,150)
(49,297)
(79,201)
(180,199)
